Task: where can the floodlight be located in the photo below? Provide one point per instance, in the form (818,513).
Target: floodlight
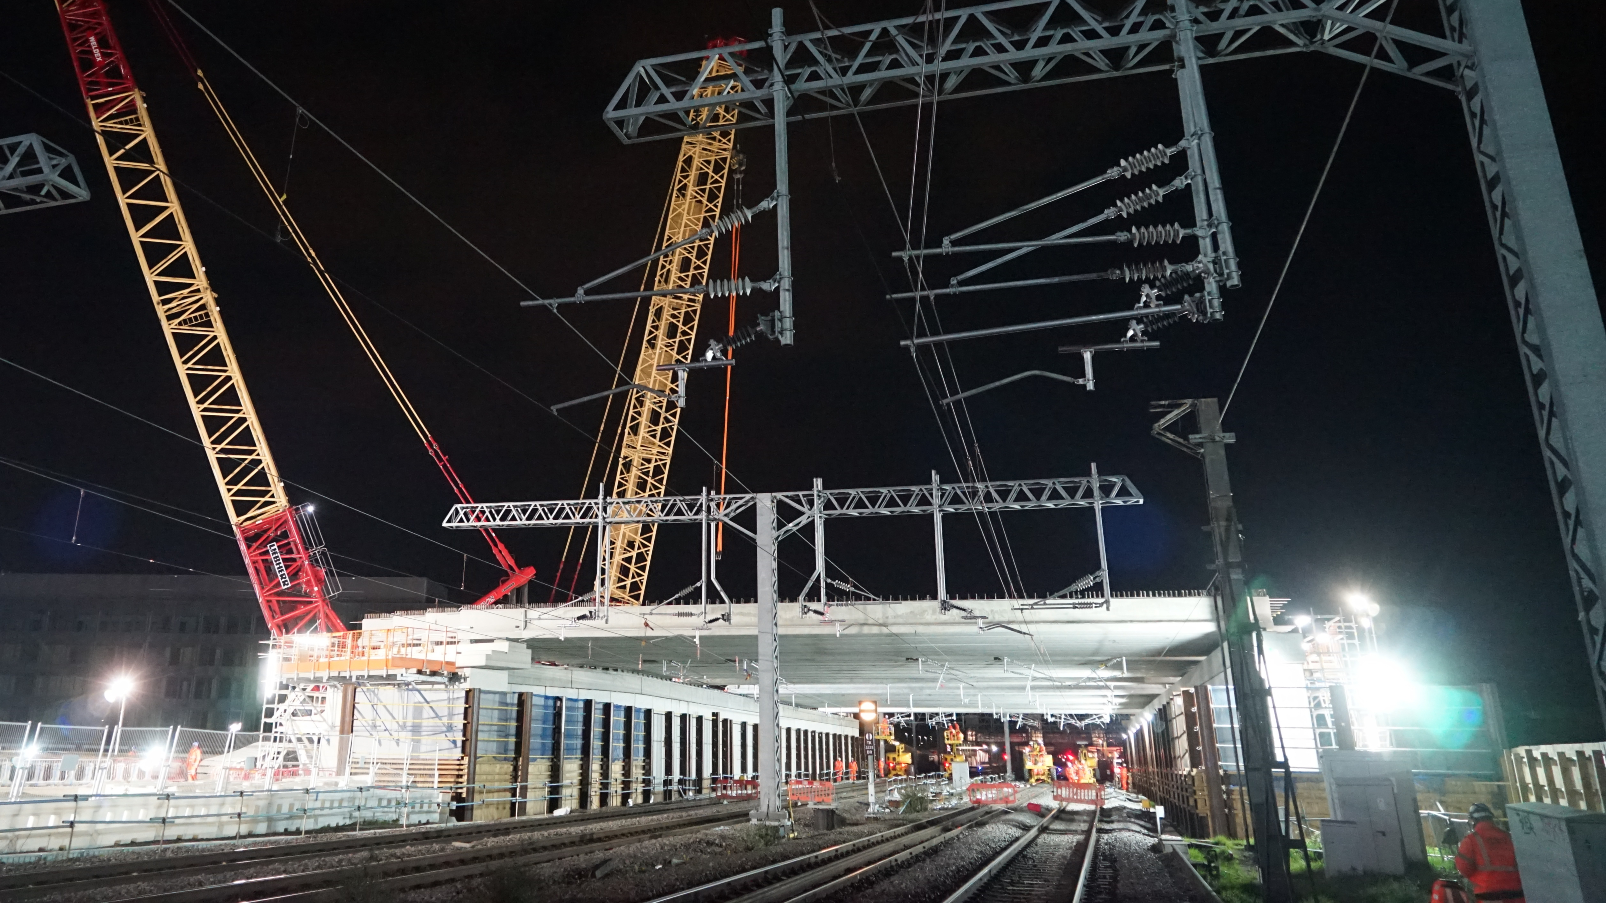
(120,688)
(1359,601)
(1301,621)
(235,727)
(867,710)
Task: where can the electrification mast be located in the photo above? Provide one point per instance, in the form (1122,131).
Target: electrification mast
(280,543)
(652,420)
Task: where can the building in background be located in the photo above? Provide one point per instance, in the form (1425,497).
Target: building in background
(192,644)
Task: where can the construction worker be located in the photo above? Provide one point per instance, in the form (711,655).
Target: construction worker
(1487,859)
(853,769)
(192,762)
(836,772)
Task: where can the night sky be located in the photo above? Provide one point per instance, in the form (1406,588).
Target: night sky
(1384,436)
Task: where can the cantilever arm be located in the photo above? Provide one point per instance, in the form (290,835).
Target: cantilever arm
(1076,380)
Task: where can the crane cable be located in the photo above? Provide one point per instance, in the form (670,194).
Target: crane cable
(602,426)
(415,420)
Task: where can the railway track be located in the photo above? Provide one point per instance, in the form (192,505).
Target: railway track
(817,875)
(402,873)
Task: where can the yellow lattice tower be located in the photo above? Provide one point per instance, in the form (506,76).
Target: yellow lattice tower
(652,421)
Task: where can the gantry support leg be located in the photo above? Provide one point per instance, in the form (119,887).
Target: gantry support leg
(1209,201)
(1552,301)
(771,807)
(781,100)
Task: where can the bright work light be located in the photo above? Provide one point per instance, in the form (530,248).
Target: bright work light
(867,710)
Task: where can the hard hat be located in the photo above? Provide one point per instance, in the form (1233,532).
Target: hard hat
(1479,812)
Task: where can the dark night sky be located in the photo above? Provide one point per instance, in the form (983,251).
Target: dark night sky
(1384,437)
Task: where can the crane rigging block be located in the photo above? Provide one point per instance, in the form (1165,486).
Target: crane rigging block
(651,419)
(290,585)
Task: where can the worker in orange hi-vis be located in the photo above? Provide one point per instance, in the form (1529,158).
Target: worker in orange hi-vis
(192,762)
(853,769)
(1487,859)
(836,773)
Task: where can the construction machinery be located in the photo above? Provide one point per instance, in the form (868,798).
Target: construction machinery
(652,412)
(282,547)
(516,576)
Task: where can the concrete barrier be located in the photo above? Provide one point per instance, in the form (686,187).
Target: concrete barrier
(73,825)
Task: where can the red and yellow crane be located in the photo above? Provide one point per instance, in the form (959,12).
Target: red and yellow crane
(515,576)
(290,582)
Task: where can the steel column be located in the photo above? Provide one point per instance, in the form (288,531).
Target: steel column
(1209,202)
(771,807)
(1552,302)
(781,95)
(936,536)
(1251,698)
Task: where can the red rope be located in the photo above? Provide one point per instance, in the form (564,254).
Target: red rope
(724,439)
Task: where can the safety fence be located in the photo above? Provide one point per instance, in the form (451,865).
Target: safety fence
(810,791)
(1071,792)
(993,794)
(736,789)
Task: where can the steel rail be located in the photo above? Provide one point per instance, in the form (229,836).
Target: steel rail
(536,849)
(1089,852)
(24,885)
(998,863)
(814,874)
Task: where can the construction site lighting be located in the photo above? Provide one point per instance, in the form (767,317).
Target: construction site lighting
(120,688)
(1384,684)
(1301,621)
(1361,602)
(235,727)
(867,710)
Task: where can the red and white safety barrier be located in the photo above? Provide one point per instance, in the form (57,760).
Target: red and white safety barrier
(736,790)
(1000,794)
(810,791)
(1086,794)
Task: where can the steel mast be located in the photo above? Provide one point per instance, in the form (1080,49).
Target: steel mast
(651,420)
(289,572)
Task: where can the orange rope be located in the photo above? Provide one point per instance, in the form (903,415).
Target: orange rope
(724,439)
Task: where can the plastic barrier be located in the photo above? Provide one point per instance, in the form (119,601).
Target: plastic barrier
(736,790)
(1086,794)
(810,791)
(993,794)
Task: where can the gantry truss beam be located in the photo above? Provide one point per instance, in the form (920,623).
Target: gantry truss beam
(1000,47)
(35,173)
(951,498)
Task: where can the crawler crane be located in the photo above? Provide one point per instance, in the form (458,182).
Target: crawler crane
(279,542)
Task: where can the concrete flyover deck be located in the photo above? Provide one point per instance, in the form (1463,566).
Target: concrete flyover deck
(990,656)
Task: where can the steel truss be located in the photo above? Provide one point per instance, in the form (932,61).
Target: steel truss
(936,497)
(1000,47)
(35,173)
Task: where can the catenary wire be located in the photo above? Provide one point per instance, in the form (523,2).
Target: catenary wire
(1304,221)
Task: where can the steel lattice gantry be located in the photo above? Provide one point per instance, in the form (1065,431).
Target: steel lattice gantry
(35,173)
(808,507)
(1483,55)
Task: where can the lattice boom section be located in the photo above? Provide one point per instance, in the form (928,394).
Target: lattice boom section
(652,421)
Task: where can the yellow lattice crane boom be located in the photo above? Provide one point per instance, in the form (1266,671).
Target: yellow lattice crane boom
(652,419)
(280,547)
